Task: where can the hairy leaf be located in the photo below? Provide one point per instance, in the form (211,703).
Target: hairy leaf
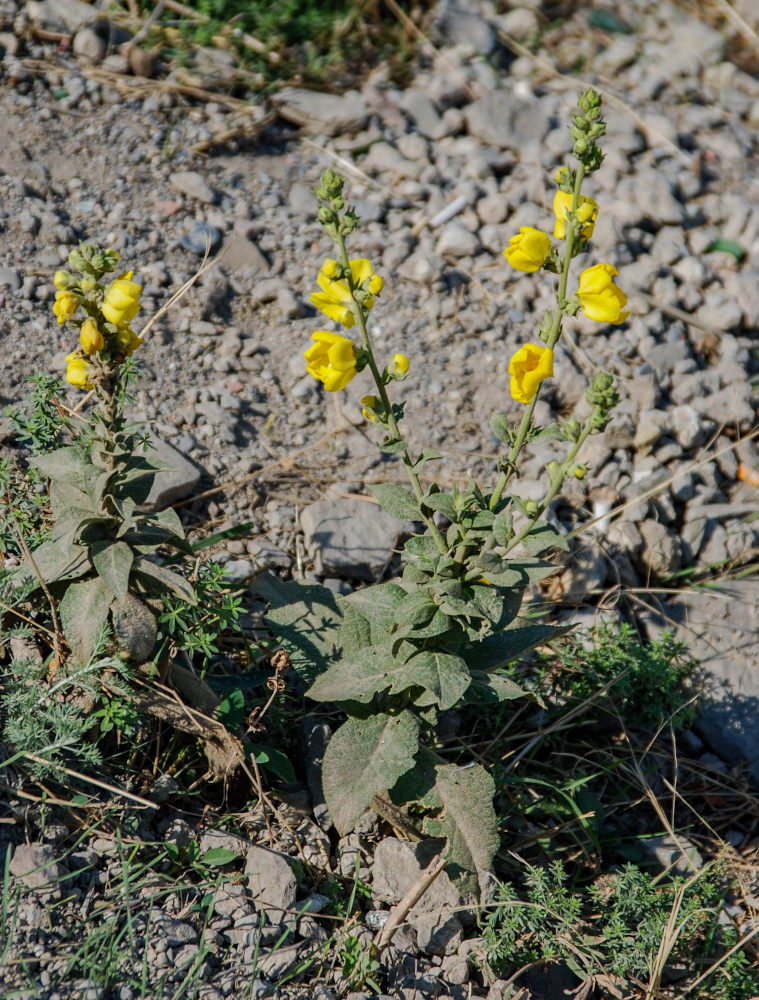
(542,537)
(113,562)
(363,758)
(55,561)
(444,677)
(354,632)
(504,647)
(84,610)
(377,605)
(65,495)
(66,465)
(422,551)
(491,689)
(161,578)
(358,677)
(444,503)
(305,618)
(467,820)
(397,501)
(416,610)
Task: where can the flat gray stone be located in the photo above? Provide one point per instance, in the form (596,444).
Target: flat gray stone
(176,481)
(242,257)
(329,114)
(193,185)
(505,120)
(35,865)
(271,881)
(350,538)
(720,627)
(64,15)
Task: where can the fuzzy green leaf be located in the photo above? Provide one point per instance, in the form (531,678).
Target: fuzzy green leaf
(415,611)
(64,495)
(358,677)
(355,632)
(444,503)
(499,605)
(542,537)
(438,624)
(491,689)
(84,610)
(503,528)
(363,758)
(505,647)
(444,677)
(397,501)
(65,465)
(377,605)
(160,578)
(421,551)
(55,561)
(501,427)
(305,618)
(467,820)
(428,455)
(113,562)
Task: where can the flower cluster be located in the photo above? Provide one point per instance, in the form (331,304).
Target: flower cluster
(105,335)
(532,250)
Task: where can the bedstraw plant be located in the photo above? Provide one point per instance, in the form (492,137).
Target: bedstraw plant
(395,655)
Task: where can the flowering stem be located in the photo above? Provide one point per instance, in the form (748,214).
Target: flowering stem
(392,423)
(551,339)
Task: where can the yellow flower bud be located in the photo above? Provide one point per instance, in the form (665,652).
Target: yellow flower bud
(87,284)
(375,284)
(64,306)
(528,250)
(587,210)
(122,300)
(580,471)
(329,267)
(331,360)
(600,298)
(528,367)
(90,337)
(78,371)
(127,340)
(61,280)
(401,363)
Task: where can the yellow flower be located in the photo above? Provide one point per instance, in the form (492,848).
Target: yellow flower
(331,360)
(122,300)
(78,371)
(127,340)
(401,363)
(335,299)
(587,210)
(528,250)
(61,280)
(369,406)
(599,297)
(90,337)
(528,367)
(64,306)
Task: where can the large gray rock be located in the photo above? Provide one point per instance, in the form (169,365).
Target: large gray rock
(330,114)
(36,866)
(63,15)
(350,538)
(504,119)
(176,480)
(720,627)
(271,881)
(397,865)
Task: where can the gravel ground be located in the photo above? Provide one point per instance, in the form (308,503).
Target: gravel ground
(442,173)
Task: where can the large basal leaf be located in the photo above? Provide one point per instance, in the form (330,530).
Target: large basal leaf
(467,820)
(504,647)
(354,632)
(55,561)
(83,611)
(113,562)
(161,579)
(397,501)
(305,618)
(63,496)
(444,677)
(358,677)
(364,758)
(62,465)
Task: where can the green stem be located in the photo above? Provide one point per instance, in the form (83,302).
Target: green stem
(551,339)
(392,423)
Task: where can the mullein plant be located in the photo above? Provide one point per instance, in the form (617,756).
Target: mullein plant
(395,655)
(98,566)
